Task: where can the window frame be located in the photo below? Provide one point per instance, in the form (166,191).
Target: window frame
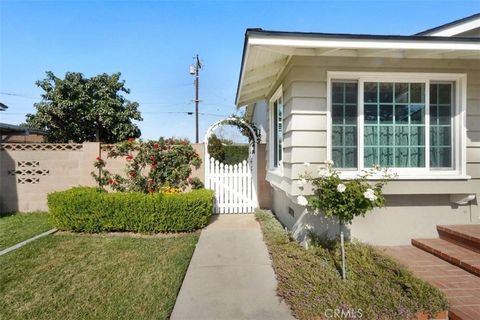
(459,81)
(273,132)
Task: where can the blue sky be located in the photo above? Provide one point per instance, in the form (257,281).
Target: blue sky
(153,42)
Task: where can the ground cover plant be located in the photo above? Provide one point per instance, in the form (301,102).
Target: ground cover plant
(86,209)
(70,276)
(17,227)
(377,287)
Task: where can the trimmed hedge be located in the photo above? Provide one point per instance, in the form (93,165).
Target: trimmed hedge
(85,209)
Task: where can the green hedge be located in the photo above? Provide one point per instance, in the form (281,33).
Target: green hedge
(84,209)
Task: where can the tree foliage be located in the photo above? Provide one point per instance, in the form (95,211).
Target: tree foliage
(81,109)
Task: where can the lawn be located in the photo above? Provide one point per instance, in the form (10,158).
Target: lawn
(21,226)
(75,276)
(376,288)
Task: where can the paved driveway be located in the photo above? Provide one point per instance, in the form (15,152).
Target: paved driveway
(230,275)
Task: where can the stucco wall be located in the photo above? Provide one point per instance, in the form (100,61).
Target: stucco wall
(405,217)
(28,172)
(414,207)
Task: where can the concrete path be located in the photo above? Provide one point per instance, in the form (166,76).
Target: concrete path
(230,275)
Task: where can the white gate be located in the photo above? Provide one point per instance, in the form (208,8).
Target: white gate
(235,185)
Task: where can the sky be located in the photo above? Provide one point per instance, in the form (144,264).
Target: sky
(152,43)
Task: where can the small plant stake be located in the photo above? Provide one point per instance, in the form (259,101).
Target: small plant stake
(345,200)
(344,272)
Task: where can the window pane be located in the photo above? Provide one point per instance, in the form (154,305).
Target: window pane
(386,136)
(401,113)
(386,157)
(351,93)
(337,92)
(386,92)
(344,128)
(337,135)
(417,92)
(337,113)
(370,113)
(371,135)
(417,113)
(386,113)
(401,92)
(445,93)
(351,114)
(401,157)
(337,155)
(370,92)
(401,135)
(370,157)
(350,136)
(441,106)
(417,157)
(350,158)
(444,114)
(417,135)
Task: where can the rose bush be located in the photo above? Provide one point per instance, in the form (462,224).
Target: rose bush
(348,199)
(150,166)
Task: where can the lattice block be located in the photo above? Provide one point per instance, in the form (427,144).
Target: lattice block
(41,146)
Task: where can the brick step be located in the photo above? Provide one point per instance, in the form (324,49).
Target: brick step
(467,236)
(457,255)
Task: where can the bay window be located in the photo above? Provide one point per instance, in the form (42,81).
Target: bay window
(408,122)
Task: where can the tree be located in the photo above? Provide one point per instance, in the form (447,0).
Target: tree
(85,109)
(215,148)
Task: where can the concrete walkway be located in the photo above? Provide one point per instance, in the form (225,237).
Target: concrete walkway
(230,275)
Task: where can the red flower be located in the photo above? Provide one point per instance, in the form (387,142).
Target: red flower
(189,180)
(132,173)
(152,157)
(150,181)
(131,139)
(112,181)
(156,146)
(129,157)
(151,190)
(98,158)
(154,166)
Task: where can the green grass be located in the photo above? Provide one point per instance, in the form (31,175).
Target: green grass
(68,276)
(18,227)
(310,280)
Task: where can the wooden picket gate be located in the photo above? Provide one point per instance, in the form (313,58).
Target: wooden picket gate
(233,186)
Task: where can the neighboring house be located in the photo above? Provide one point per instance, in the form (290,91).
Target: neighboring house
(411,103)
(10,133)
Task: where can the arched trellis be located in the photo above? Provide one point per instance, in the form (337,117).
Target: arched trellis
(235,185)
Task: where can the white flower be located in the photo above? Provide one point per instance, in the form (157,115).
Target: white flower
(306,164)
(324,172)
(377,167)
(370,195)
(329,162)
(301,200)
(341,187)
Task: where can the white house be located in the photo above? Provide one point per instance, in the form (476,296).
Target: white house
(410,103)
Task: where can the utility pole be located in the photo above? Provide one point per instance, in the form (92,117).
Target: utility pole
(194,69)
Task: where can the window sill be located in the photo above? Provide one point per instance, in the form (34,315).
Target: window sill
(412,176)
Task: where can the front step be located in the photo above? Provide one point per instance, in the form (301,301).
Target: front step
(453,253)
(467,236)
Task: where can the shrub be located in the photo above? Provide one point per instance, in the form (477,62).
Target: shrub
(84,209)
(149,165)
